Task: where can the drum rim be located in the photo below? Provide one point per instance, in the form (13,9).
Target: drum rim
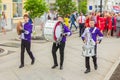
(55,37)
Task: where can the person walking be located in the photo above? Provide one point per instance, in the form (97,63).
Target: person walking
(94,32)
(26,41)
(81,21)
(3,22)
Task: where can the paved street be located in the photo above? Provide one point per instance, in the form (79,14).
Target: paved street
(108,54)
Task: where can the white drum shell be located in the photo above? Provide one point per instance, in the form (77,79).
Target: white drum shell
(49,30)
(88,51)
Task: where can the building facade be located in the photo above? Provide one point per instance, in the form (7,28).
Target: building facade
(107,5)
(14,10)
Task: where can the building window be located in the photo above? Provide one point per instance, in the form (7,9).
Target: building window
(17,8)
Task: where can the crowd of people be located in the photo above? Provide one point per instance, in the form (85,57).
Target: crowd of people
(90,27)
(107,22)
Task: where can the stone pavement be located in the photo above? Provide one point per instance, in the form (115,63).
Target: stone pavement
(108,53)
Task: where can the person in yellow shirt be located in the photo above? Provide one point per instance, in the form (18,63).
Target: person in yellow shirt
(66,21)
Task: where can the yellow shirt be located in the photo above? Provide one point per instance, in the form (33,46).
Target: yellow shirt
(66,21)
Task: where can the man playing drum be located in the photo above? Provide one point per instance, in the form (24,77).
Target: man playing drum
(60,45)
(94,33)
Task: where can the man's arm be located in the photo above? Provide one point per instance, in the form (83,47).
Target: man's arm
(67,31)
(100,36)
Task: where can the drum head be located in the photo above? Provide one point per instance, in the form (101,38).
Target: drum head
(53,30)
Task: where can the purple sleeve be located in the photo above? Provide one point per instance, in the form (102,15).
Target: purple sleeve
(99,33)
(83,35)
(66,30)
(30,28)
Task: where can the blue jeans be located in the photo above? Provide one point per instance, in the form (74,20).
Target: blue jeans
(73,23)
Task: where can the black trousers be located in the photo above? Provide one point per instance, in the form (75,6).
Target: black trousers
(87,62)
(112,31)
(81,28)
(25,45)
(61,47)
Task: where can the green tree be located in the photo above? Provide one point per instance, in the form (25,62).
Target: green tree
(35,8)
(82,6)
(65,7)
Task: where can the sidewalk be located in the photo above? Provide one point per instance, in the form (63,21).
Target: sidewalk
(108,53)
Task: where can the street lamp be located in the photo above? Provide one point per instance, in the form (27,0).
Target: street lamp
(100,6)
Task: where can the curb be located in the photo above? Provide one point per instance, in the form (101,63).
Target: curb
(5,52)
(114,66)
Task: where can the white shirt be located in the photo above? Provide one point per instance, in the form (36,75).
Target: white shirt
(81,19)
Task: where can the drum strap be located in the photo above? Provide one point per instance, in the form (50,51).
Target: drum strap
(93,42)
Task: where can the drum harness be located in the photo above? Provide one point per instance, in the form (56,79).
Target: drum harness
(91,41)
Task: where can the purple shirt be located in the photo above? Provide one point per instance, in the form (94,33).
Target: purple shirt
(28,30)
(94,34)
(67,31)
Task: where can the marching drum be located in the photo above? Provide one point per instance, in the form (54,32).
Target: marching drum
(53,30)
(88,48)
(88,51)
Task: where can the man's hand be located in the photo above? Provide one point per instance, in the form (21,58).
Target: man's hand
(26,32)
(97,42)
(84,41)
(63,34)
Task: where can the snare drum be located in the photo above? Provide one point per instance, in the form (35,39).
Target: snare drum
(88,51)
(53,30)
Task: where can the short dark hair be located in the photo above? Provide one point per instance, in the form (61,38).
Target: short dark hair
(26,15)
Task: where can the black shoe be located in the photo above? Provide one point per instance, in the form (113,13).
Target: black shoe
(87,71)
(96,67)
(61,67)
(33,61)
(54,66)
(21,66)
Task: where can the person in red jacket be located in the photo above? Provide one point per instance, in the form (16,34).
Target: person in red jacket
(101,23)
(87,21)
(97,19)
(109,24)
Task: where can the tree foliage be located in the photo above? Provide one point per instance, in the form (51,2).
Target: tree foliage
(82,6)
(35,8)
(65,7)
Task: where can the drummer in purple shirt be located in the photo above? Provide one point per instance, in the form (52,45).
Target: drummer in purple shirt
(61,46)
(95,32)
(26,41)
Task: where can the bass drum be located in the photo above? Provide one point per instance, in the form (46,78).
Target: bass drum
(53,30)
